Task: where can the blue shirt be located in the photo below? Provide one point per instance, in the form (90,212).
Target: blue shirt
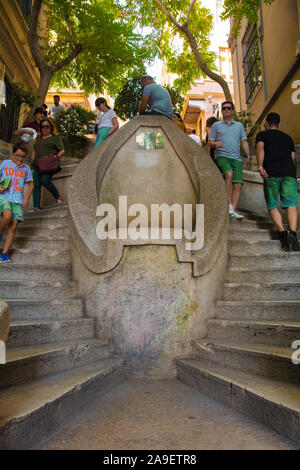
(19,176)
(159,100)
(231,135)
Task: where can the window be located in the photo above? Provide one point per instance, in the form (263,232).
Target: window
(25,7)
(251,61)
(9,114)
(225,65)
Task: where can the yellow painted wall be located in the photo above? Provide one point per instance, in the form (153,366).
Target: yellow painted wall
(15,57)
(280,40)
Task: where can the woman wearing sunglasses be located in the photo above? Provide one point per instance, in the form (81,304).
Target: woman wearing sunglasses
(46,144)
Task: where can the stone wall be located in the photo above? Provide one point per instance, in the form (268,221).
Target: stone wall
(4,320)
(148,297)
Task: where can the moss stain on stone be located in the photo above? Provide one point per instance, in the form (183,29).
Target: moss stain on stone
(183,316)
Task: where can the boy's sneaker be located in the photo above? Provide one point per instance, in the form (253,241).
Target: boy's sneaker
(293,241)
(236,215)
(4,258)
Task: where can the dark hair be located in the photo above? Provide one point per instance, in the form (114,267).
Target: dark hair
(273,118)
(45,106)
(38,110)
(56,96)
(100,101)
(179,117)
(20,147)
(51,125)
(229,102)
(210,121)
(193,131)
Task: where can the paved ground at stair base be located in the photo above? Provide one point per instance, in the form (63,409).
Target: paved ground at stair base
(163,414)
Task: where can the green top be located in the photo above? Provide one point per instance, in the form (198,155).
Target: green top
(49,146)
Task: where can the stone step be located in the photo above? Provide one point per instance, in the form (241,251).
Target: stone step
(32,411)
(59,242)
(263,359)
(263,274)
(277,333)
(263,291)
(273,403)
(258,310)
(24,364)
(43,309)
(50,231)
(32,256)
(263,224)
(282,259)
(53,211)
(34,332)
(255,247)
(38,290)
(251,234)
(46,221)
(38,272)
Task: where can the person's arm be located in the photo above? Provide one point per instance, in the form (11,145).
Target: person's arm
(260,156)
(293,155)
(28,194)
(143,104)
(212,138)
(23,131)
(246,148)
(60,153)
(115,124)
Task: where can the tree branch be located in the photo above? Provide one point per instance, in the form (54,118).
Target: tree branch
(189,12)
(63,63)
(178,25)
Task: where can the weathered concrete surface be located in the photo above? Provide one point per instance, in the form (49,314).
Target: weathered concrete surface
(162,414)
(4,321)
(252,195)
(150,306)
(149,297)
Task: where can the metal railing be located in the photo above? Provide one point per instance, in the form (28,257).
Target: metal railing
(9,114)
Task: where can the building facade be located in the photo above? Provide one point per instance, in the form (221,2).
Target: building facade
(266,65)
(16,65)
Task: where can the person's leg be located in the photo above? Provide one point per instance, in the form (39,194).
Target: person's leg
(6,219)
(289,200)
(224,165)
(237,187)
(47,183)
(11,232)
(271,192)
(229,186)
(37,188)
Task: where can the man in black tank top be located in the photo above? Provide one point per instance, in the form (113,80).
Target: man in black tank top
(276,158)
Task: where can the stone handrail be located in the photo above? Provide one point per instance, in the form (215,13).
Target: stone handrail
(100,256)
(4,320)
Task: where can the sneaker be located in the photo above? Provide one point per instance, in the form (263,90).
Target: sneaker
(293,241)
(236,215)
(284,240)
(230,207)
(4,258)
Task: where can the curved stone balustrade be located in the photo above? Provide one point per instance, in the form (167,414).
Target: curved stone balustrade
(4,320)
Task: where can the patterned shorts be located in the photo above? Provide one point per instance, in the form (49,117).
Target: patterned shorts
(16,209)
(285,187)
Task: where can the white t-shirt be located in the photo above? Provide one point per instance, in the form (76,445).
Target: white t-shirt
(56,109)
(195,138)
(105,120)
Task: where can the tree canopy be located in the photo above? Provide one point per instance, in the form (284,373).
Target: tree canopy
(237,10)
(89,41)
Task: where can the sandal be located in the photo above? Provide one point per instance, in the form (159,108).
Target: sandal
(35,209)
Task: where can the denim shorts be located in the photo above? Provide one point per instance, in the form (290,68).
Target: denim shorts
(286,188)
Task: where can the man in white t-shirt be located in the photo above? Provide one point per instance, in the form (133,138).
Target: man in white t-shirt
(56,107)
(195,137)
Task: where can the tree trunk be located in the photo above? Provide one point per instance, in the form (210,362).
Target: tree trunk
(45,79)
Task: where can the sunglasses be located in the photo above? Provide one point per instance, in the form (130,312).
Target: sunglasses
(18,156)
(45,127)
(227,108)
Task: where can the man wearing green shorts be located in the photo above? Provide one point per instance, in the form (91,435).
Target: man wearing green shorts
(226,137)
(276,157)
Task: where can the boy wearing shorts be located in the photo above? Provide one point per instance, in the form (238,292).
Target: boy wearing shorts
(226,137)
(276,158)
(12,200)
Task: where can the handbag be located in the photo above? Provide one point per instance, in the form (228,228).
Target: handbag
(48,163)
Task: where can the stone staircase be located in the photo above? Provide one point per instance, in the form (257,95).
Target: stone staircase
(245,360)
(54,365)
